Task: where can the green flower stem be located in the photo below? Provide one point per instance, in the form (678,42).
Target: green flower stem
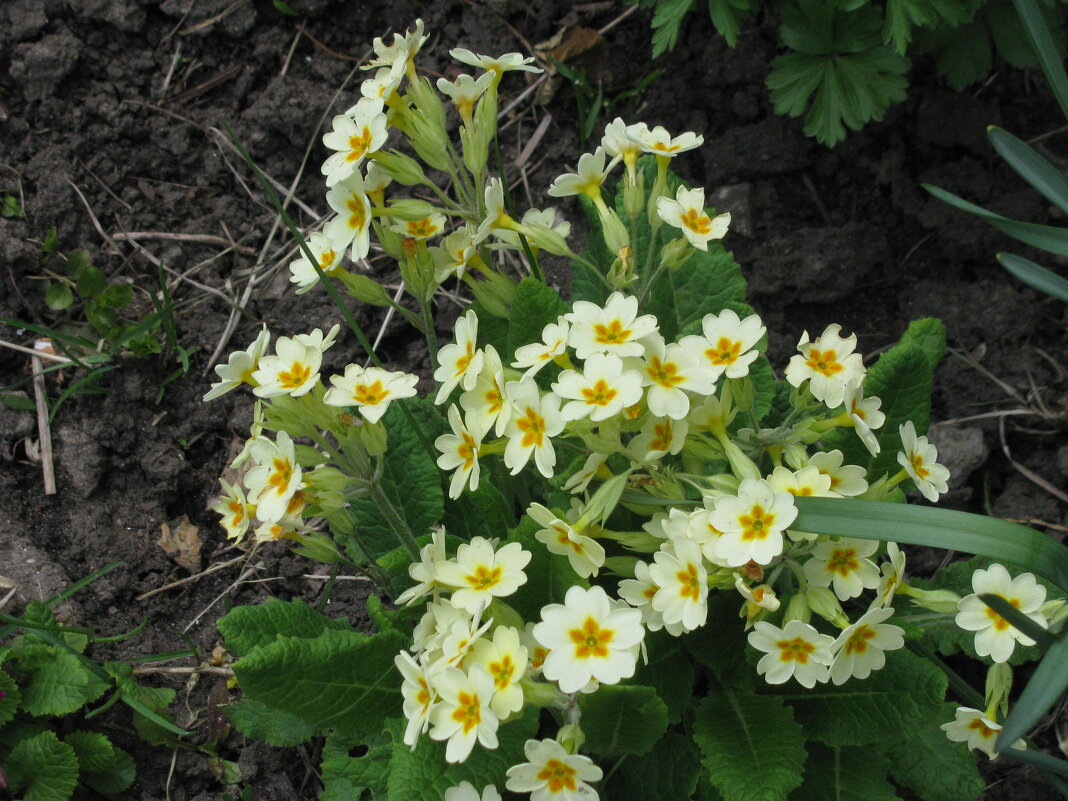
(428,329)
(395,520)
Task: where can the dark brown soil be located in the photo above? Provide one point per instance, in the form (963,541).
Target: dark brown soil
(108,117)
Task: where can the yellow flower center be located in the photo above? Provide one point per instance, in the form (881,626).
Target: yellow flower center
(591,640)
(843,561)
(666,374)
(689,582)
(559,776)
(358,215)
(1000,623)
(858,640)
(358,145)
(295,376)
(466,450)
(697,221)
(612,334)
(825,362)
(532,425)
(757,524)
(469,712)
(502,672)
(280,475)
(725,352)
(484,577)
(600,394)
(370,394)
(795,650)
(422,228)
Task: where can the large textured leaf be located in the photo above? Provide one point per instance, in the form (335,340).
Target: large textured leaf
(669,672)
(424,775)
(116,777)
(41,768)
(535,306)
(9,703)
(932,766)
(340,679)
(53,681)
(248,627)
(482,513)
(706,284)
(621,720)
(669,772)
(887,705)
(346,777)
(751,746)
(93,750)
(410,479)
(844,774)
(276,727)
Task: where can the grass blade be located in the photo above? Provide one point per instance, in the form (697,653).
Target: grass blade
(1043,762)
(81,584)
(1050,679)
(1018,619)
(1044,237)
(1035,276)
(1038,32)
(936,528)
(1031,166)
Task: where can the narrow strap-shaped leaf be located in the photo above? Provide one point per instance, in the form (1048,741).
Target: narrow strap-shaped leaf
(1038,32)
(1044,237)
(1050,679)
(1035,276)
(1031,166)
(936,528)
(1043,762)
(1018,619)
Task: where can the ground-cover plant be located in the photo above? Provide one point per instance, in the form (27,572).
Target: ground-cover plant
(50,746)
(618,556)
(847,61)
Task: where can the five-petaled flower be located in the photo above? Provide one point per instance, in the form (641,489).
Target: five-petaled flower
(481,573)
(976,728)
(920,460)
(535,420)
(369,389)
(796,650)
(861,647)
(828,364)
(994,635)
(752,523)
(687,211)
(552,774)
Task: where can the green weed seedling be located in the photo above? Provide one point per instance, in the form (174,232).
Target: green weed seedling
(9,206)
(616,554)
(50,748)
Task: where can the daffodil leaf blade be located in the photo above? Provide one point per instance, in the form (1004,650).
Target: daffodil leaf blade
(933,766)
(534,306)
(41,768)
(1035,275)
(733,731)
(346,777)
(670,770)
(622,719)
(1045,686)
(424,775)
(888,704)
(245,628)
(846,773)
(339,679)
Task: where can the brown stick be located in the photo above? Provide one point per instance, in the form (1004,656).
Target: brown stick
(44,433)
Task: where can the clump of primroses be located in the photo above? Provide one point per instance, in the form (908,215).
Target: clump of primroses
(624,408)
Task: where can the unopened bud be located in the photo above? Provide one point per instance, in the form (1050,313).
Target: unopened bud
(364,289)
(401,168)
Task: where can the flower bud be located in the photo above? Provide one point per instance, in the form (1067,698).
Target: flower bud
(544,237)
(613,230)
(742,465)
(634,196)
(374,438)
(316,546)
(825,604)
(676,253)
(744,393)
(944,601)
(401,168)
(364,289)
(797,609)
(998,685)
(410,209)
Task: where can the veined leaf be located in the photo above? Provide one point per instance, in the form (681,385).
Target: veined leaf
(274,726)
(845,774)
(932,766)
(666,24)
(669,771)
(246,628)
(535,306)
(346,777)
(727,16)
(619,720)
(1035,276)
(41,768)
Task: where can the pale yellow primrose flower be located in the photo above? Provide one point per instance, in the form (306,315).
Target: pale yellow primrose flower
(585,554)
(669,372)
(240,366)
(352,225)
(660,143)
(465,91)
(459,452)
(495,64)
(622,140)
(587,180)
(456,251)
(533,357)
(639,593)
(977,730)
(382,85)
(353,138)
(275,479)
(920,462)
(496,215)
(893,574)
(370,389)
(828,364)
(843,563)
(797,650)
(425,572)
(535,419)
(659,437)
(808,482)
(419,696)
(552,774)
(436,625)
(864,414)
(602,390)
(235,509)
(465,791)
(994,635)
(846,479)
(462,714)
(292,370)
(861,647)
(485,404)
(682,597)
(728,343)
(757,600)
(376,179)
(404,49)
(687,211)
(544,218)
(459,361)
(326,253)
(480,573)
(616,328)
(420,229)
(589,638)
(505,659)
(580,480)
(752,523)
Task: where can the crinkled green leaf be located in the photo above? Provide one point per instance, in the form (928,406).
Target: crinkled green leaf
(887,705)
(492,330)
(347,777)
(116,777)
(669,771)
(410,479)
(720,644)
(622,719)
(844,774)
(669,672)
(549,576)
(933,767)
(41,768)
(339,679)
(276,727)
(52,680)
(482,513)
(707,284)
(535,306)
(9,703)
(965,55)
(94,751)
(424,775)
(246,628)
(751,746)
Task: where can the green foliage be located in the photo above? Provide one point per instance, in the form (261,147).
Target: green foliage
(41,768)
(751,746)
(534,307)
(845,774)
(627,719)
(548,576)
(246,628)
(669,771)
(932,766)
(9,206)
(347,777)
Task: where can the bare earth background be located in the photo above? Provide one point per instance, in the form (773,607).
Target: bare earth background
(120,101)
